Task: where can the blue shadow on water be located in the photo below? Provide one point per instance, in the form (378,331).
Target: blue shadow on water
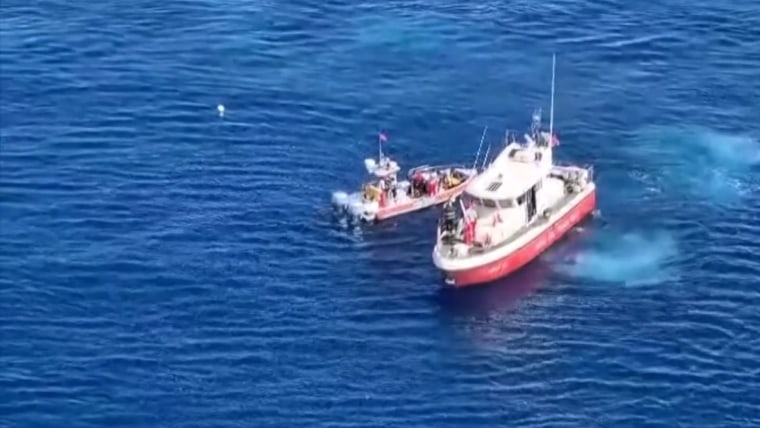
(495,296)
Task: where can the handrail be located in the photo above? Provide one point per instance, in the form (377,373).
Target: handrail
(428,167)
(588,167)
(572,164)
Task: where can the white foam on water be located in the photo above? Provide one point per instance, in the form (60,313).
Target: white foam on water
(696,161)
(730,150)
(629,259)
(339,198)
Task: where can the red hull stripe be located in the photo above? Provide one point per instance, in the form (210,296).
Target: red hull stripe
(522,256)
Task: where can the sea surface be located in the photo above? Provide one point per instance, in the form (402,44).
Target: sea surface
(165,266)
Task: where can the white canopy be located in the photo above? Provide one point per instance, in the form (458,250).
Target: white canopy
(512,173)
(385,168)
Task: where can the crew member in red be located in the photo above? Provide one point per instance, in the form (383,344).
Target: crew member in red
(470,223)
(417,184)
(432,186)
(383,192)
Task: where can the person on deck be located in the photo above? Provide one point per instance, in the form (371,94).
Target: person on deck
(451,180)
(470,212)
(392,187)
(470,223)
(449,218)
(432,184)
(371,192)
(382,186)
(418,183)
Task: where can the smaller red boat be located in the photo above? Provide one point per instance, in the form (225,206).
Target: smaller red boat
(385,196)
(519,206)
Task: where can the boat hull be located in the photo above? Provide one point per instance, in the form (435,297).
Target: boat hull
(417,204)
(356,207)
(519,257)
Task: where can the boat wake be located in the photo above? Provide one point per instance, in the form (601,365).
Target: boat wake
(341,215)
(701,161)
(340,198)
(631,259)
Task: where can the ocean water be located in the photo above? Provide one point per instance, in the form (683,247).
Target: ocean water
(162,266)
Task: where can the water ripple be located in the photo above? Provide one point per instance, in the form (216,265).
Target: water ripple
(164,266)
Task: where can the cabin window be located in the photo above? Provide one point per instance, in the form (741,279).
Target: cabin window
(520,199)
(539,155)
(488,203)
(469,200)
(505,203)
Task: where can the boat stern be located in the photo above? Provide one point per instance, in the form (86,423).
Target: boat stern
(354,205)
(453,261)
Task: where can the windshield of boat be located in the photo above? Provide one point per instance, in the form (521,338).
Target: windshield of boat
(485,207)
(482,207)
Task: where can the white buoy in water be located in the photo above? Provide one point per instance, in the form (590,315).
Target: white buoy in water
(220,109)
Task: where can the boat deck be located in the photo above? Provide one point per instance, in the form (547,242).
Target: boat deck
(479,249)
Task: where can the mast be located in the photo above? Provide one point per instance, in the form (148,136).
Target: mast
(477,155)
(551,108)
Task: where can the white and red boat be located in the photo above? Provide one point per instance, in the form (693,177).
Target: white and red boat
(519,206)
(384,196)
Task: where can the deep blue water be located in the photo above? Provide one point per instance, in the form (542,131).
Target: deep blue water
(161,266)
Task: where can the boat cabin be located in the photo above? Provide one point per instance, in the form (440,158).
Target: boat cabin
(385,177)
(385,168)
(508,194)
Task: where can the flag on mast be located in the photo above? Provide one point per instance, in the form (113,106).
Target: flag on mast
(382,137)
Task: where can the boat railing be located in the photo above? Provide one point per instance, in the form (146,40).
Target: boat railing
(569,165)
(435,167)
